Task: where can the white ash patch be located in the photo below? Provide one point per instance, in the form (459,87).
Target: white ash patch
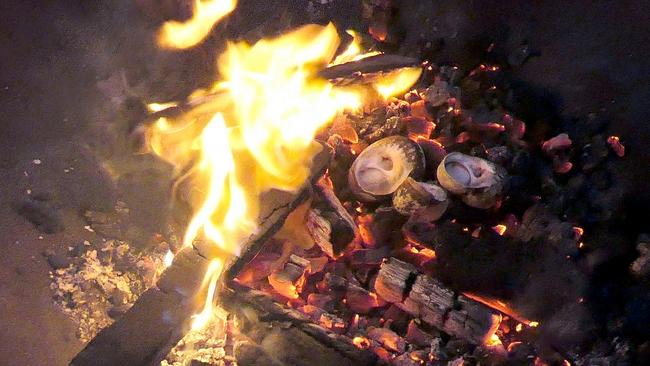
(102,282)
(204,346)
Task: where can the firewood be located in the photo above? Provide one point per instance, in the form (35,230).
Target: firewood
(433,303)
(429,300)
(320,230)
(366,68)
(362,71)
(392,282)
(161,316)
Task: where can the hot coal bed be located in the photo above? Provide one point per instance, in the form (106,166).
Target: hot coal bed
(487,240)
(479,254)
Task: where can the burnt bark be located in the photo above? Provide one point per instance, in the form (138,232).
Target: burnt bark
(432,302)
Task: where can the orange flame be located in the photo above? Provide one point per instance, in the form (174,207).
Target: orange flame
(353,51)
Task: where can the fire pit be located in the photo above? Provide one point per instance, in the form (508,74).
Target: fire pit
(338,202)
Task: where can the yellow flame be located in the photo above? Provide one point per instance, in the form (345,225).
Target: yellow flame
(201,319)
(494,340)
(398,82)
(169,258)
(181,35)
(353,51)
(155,107)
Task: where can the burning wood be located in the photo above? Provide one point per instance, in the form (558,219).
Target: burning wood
(288,281)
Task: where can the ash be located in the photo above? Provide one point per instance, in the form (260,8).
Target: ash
(201,347)
(102,282)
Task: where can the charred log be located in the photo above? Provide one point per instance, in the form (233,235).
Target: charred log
(433,303)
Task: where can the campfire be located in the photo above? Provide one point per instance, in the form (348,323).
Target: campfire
(342,205)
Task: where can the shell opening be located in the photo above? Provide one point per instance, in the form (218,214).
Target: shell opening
(459,172)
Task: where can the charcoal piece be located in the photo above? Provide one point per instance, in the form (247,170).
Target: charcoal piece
(396,319)
(388,339)
(640,268)
(430,301)
(394,280)
(371,257)
(472,321)
(490,354)
(416,335)
(377,125)
(413,358)
(457,347)
(360,300)
(117,311)
(340,164)
(383,228)
(58,261)
(322,301)
(519,55)
(437,350)
(499,155)
(594,153)
(332,282)
(520,352)
(435,304)
(42,214)
(343,227)
(320,229)
(438,93)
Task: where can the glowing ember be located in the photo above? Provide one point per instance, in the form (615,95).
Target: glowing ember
(494,340)
(500,229)
(578,232)
(361,342)
(177,35)
(616,145)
